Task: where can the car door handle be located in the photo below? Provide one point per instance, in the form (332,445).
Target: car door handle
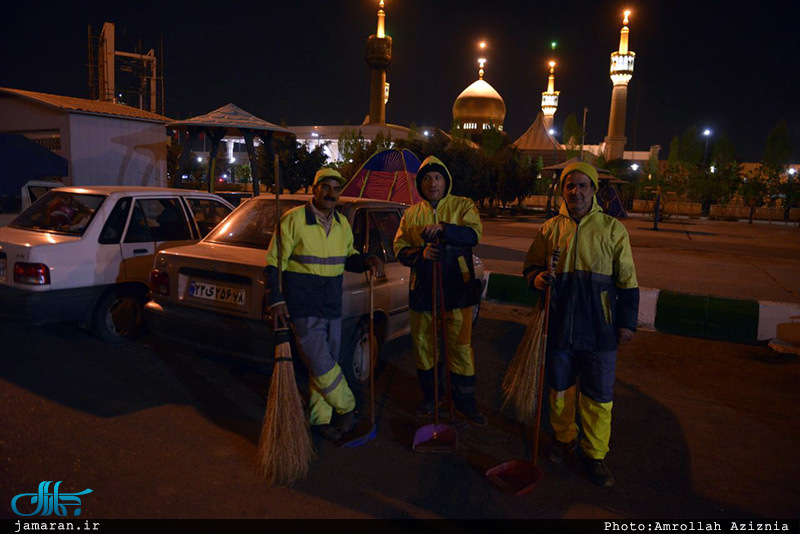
(140,251)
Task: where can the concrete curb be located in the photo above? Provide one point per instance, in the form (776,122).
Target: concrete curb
(672,312)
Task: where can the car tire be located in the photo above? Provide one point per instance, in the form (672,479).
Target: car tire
(356,354)
(119,315)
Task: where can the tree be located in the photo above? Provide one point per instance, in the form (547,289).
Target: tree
(354,150)
(573,134)
(778,150)
(753,189)
(297,164)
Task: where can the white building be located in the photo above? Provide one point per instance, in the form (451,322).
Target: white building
(104,143)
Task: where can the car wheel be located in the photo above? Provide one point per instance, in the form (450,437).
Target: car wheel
(119,315)
(361,357)
(354,357)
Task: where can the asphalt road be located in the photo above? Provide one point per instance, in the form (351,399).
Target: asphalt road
(718,258)
(702,429)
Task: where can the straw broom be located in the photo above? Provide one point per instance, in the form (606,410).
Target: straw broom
(284,447)
(520,383)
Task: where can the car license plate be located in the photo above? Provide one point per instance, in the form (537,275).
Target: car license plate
(3,270)
(217,293)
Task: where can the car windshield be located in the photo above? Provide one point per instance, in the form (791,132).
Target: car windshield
(59,211)
(251,224)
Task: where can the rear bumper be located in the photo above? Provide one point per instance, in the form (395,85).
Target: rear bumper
(209,331)
(48,306)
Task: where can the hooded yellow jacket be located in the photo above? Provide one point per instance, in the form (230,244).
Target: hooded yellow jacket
(595,290)
(462,231)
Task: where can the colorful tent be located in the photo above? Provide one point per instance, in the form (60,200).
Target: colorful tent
(609,200)
(387,175)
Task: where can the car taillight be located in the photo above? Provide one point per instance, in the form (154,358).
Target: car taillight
(35,274)
(159,282)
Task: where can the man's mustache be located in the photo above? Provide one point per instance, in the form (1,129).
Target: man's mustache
(332,199)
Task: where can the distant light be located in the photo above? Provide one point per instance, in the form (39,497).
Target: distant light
(185,176)
(792,171)
(482,62)
(482,45)
(713,169)
(553,45)
(350,160)
(706,132)
(120,95)
(199,159)
(233,160)
(314,134)
(224,175)
(552,64)
(635,167)
(551,131)
(426,133)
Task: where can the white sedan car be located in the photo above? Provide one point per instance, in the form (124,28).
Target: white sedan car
(85,253)
(211,295)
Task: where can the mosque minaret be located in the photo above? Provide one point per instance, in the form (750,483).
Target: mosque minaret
(550,98)
(379,56)
(621,73)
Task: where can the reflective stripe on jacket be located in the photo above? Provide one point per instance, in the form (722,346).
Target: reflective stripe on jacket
(462,231)
(313,263)
(595,291)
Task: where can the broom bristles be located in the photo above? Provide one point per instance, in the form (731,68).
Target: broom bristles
(521,381)
(284,447)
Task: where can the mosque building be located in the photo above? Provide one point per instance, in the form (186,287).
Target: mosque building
(478,108)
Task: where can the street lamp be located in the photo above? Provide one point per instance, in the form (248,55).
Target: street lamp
(706,134)
(635,167)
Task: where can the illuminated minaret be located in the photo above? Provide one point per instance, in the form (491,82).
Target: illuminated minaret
(379,56)
(621,73)
(550,98)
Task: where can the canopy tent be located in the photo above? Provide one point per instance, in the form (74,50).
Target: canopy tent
(387,175)
(227,120)
(23,160)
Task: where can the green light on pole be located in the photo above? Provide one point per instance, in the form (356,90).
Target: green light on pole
(553,45)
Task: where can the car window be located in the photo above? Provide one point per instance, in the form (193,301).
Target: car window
(207,213)
(157,219)
(377,229)
(59,211)
(251,224)
(115,224)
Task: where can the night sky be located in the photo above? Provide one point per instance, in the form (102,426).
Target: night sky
(728,66)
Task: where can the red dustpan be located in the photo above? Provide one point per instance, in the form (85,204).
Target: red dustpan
(520,477)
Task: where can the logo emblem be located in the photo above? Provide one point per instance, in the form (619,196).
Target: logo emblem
(46,502)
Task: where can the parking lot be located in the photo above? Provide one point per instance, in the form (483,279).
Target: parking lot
(701,429)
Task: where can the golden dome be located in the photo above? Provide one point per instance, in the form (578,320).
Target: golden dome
(479,103)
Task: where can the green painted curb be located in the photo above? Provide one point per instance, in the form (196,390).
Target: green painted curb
(511,289)
(709,317)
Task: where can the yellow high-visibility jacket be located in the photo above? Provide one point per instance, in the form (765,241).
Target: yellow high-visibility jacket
(462,231)
(312,263)
(595,290)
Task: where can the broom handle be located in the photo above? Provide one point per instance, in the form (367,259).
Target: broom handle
(444,334)
(543,355)
(435,347)
(371,346)
(276,172)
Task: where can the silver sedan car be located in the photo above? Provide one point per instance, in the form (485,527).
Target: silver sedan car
(211,296)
